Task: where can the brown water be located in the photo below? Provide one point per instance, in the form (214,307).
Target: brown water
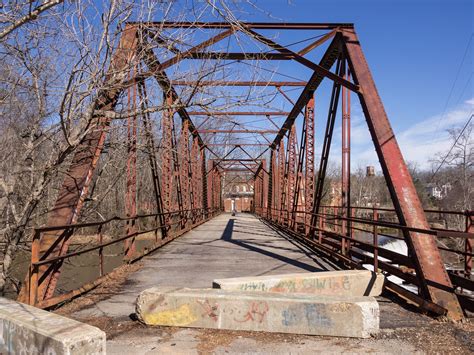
(78,270)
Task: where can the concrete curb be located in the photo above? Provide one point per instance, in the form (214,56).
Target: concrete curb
(338,283)
(259,311)
(28,330)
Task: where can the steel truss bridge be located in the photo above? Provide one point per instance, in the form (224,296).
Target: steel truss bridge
(189,169)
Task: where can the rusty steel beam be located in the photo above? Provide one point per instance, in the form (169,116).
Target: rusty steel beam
(291,174)
(283,181)
(254,25)
(317,43)
(167,156)
(151,148)
(346,166)
(131,171)
(247,167)
(237,159)
(237,83)
(271,180)
(236,170)
(237,144)
(184,171)
(210,182)
(323,163)
(306,62)
(237,113)
(153,63)
(259,131)
(327,62)
(250,156)
(76,181)
(203,179)
(430,267)
(225,156)
(301,161)
(192,51)
(196,186)
(309,163)
(239,56)
(468,244)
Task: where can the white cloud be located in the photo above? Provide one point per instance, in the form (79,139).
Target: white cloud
(422,141)
(419,143)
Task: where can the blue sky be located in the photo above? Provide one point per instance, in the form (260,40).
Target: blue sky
(420,53)
(414,49)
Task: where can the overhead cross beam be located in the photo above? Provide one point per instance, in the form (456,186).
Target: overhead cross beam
(237,83)
(238,113)
(327,62)
(239,56)
(254,25)
(300,59)
(256,131)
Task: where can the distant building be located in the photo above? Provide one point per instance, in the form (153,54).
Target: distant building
(438,191)
(239,197)
(370,171)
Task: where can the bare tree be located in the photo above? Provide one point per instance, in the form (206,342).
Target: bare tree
(55,66)
(18,13)
(454,173)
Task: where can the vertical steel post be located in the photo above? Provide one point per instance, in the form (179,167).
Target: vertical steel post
(281,181)
(204,182)
(184,170)
(210,183)
(101,252)
(297,196)
(166,158)
(151,148)
(309,163)
(346,164)
(131,188)
(33,274)
(468,244)
(375,217)
(334,103)
(270,184)
(291,177)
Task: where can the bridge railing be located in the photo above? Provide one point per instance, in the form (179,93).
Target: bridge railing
(363,237)
(105,234)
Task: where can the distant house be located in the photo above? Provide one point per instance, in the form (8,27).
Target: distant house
(438,191)
(238,197)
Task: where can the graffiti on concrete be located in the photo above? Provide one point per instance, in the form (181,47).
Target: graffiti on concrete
(180,316)
(306,285)
(256,312)
(313,314)
(210,311)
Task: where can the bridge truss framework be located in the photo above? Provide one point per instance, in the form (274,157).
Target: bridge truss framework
(288,187)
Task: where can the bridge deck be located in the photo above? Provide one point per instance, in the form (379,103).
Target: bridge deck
(242,245)
(226,246)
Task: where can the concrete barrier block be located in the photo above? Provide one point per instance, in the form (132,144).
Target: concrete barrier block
(259,311)
(29,330)
(343,283)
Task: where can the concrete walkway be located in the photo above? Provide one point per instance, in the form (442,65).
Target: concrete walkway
(226,246)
